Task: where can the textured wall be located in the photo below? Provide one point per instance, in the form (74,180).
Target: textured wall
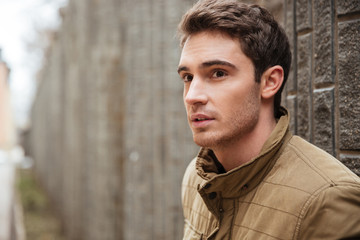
(110,138)
(324,85)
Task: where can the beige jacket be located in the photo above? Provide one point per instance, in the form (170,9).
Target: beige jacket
(292,190)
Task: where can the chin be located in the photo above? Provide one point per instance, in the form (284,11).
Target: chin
(205,141)
(216,139)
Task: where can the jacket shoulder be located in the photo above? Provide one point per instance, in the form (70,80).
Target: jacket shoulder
(331,191)
(317,163)
(306,168)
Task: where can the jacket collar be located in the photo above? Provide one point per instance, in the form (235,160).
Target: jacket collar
(243,179)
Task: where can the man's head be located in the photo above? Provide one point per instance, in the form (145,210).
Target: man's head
(260,36)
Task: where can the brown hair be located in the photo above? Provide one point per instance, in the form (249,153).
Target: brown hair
(261,38)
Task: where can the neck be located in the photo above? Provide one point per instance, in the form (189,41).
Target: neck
(248,146)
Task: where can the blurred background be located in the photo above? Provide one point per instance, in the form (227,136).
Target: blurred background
(93,134)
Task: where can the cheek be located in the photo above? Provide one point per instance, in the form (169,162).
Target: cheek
(229,97)
(232,100)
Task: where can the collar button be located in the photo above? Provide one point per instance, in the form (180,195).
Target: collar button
(245,187)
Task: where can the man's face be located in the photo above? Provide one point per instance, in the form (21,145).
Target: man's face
(221,96)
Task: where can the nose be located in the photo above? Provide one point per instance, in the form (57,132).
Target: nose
(195,92)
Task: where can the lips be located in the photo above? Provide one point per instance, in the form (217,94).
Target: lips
(200,117)
(200,120)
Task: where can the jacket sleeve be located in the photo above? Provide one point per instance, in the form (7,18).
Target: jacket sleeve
(333,214)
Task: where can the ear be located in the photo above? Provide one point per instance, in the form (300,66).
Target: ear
(271,81)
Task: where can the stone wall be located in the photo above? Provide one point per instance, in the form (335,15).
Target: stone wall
(109,136)
(323,89)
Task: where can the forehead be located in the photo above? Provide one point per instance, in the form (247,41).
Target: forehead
(205,46)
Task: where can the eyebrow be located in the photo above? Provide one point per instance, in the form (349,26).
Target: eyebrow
(218,62)
(209,64)
(182,68)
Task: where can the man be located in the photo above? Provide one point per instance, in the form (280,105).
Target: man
(253,179)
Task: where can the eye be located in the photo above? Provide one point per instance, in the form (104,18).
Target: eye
(219,74)
(187,77)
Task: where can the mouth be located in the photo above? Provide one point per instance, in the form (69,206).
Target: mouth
(200,120)
(200,117)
